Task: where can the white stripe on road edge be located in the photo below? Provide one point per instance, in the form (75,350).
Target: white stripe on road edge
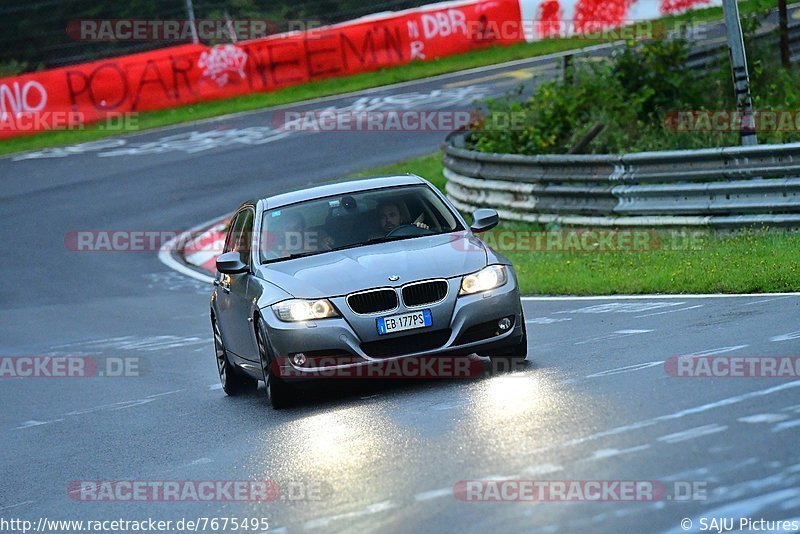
(645,423)
(433,494)
(669,311)
(382,506)
(614,335)
(693,433)
(647,365)
(714,352)
(658,296)
(165,254)
(15,505)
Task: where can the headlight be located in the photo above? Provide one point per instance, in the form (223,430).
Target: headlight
(488,278)
(304,310)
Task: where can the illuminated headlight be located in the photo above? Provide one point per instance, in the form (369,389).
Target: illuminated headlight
(488,278)
(304,310)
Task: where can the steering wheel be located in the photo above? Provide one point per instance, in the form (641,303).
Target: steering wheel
(407,230)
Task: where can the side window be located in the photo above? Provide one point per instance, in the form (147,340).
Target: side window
(240,235)
(243,235)
(229,238)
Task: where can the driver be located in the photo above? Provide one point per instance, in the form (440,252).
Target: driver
(390,217)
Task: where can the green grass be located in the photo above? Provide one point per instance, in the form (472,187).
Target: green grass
(333,86)
(750,262)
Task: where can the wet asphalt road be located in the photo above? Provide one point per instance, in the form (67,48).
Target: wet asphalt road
(594,402)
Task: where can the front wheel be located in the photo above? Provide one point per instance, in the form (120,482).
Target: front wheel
(279,393)
(233,382)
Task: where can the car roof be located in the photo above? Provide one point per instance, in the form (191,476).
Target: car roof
(340,188)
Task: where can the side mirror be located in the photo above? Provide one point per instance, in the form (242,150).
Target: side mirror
(231,263)
(484,219)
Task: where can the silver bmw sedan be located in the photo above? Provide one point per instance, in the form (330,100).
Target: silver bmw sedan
(354,274)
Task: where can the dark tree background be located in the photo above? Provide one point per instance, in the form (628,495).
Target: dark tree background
(33,33)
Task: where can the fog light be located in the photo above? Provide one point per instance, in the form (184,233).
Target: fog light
(504,323)
(299,359)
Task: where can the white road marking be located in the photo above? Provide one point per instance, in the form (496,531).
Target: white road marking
(626,369)
(155,395)
(165,254)
(542,469)
(762,301)
(712,352)
(199,461)
(547,320)
(15,505)
(382,506)
(644,423)
(214,387)
(614,335)
(669,311)
(32,423)
(623,307)
(786,425)
(743,507)
(433,494)
(786,337)
(763,418)
(500,477)
(114,406)
(145,343)
(693,433)
(647,365)
(602,454)
(201,257)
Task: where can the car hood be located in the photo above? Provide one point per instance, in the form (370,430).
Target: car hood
(341,272)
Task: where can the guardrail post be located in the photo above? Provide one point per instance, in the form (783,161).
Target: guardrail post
(192,23)
(566,65)
(783,15)
(741,78)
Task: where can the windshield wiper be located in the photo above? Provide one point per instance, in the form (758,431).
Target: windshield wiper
(374,241)
(294,256)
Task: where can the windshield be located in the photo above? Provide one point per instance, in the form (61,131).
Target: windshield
(354,219)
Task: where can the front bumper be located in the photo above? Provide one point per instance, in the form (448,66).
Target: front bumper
(460,327)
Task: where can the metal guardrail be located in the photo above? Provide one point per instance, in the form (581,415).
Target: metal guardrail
(710,55)
(728,187)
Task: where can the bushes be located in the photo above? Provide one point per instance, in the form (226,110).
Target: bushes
(632,95)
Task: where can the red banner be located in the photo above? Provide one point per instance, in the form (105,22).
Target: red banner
(169,77)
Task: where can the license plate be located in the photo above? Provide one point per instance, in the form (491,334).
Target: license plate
(404,321)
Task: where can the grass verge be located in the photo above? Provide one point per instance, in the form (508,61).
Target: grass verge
(748,262)
(334,86)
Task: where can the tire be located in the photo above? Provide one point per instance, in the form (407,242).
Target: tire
(279,393)
(514,356)
(232,380)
